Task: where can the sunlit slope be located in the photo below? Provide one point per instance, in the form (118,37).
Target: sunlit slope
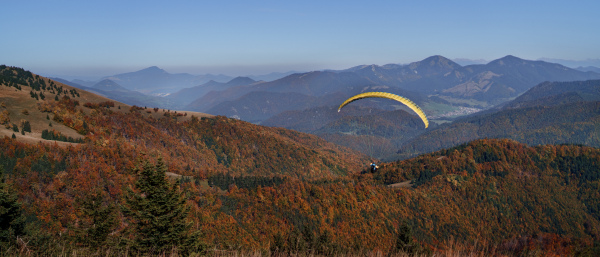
(27,97)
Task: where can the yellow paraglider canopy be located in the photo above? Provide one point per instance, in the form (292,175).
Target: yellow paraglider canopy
(398,98)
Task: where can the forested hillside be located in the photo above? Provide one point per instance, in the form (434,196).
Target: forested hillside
(557,93)
(251,188)
(496,192)
(205,144)
(502,189)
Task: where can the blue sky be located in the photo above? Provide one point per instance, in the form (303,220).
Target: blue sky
(97,38)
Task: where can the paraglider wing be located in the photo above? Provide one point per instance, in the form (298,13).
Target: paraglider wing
(398,98)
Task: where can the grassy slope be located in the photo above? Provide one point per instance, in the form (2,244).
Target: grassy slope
(16,101)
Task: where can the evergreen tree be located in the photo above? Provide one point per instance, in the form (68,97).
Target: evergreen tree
(158,213)
(101,220)
(26,126)
(12,221)
(405,241)
(84,128)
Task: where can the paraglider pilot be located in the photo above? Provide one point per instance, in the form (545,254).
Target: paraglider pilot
(374,167)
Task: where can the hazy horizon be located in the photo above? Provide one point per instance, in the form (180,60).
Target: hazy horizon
(239,38)
(105,72)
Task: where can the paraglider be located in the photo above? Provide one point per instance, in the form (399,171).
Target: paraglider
(398,98)
(373,167)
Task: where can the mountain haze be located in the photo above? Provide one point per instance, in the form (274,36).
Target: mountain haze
(589,69)
(154,80)
(109,85)
(549,113)
(185,96)
(445,82)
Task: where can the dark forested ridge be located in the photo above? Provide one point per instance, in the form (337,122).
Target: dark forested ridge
(557,93)
(509,187)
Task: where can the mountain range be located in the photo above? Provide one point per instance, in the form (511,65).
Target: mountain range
(112,90)
(306,101)
(589,68)
(549,113)
(440,85)
(154,80)
(187,95)
(437,82)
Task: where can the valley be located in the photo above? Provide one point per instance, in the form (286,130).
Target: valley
(444,89)
(518,177)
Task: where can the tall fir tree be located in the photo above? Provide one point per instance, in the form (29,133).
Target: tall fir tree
(100,220)
(158,213)
(405,243)
(12,221)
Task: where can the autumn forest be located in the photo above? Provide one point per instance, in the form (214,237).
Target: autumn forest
(88,175)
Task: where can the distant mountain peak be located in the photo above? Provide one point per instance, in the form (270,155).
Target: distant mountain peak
(106,81)
(153,69)
(436,58)
(507,60)
(109,85)
(241,81)
(435,62)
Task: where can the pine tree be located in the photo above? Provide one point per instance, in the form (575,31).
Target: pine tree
(26,126)
(405,242)
(158,213)
(12,221)
(100,220)
(84,128)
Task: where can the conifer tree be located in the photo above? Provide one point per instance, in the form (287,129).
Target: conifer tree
(406,243)
(158,213)
(12,221)
(100,222)
(26,126)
